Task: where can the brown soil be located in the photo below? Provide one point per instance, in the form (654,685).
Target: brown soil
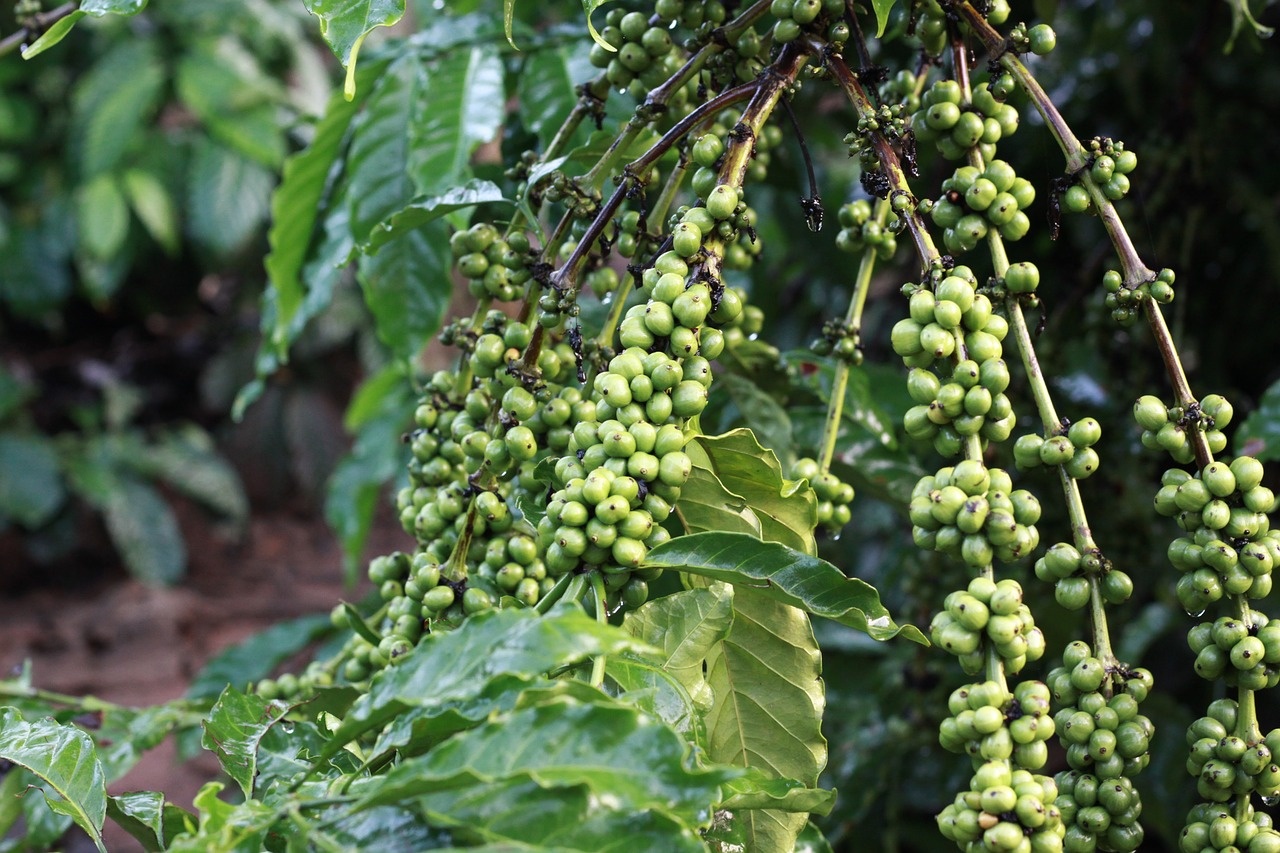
(127,643)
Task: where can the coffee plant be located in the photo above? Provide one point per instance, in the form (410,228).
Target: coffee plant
(618,489)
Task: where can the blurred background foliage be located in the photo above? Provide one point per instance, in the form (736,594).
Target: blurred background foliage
(137,164)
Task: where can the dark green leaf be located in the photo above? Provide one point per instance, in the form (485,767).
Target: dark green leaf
(618,752)
(14,393)
(234,98)
(186,460)
(457,664)
(590,6)
(1259,435)
(407,287)
(783,574)
(296,206)
(521,816)
(145,532)
(812,840)
(420,211)
(235,725)
(225,827)
(98,8)
(462,106)
(768,707)
(256,657)
(377,457)
(229,197)
(126,733)
(379,184)
(787,510)
(761,413)
(547,89)
(31,488)
(63,757)
(344,23)
(113,103)
(415,731)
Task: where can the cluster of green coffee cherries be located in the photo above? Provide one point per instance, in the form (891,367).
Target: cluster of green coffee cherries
(988,613)
(1216,826)
(1227,768)
(793,17)
(1125,302)
(1007,806)
(955,126)
(1072,449)
(834,495)
(976,200)
(931,24)
(859,231)
(953,332)
(1166,427)
(1072,574)
(1109,166)
(1242,652)
(1228,547)
(1107,741)
(642,57)
(493,266)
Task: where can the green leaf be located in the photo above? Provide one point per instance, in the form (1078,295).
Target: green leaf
(378,183)
(385,408)
(31,487)
(102,217)
(99,8)
(113,103)
(811,840)
(705,503)
(462,105)
(883,8)
(154,207)
(420,211)
(256,656)
(64,758)
(590,6)
(235,100)
(343,23)
(1259,435)
(520,816)
(508,18)
(684,626)
(296,206)
(234,727)
(53,35)
(145,532)
(454,665)
(547,89)
(782,574)
(229,197)
(768,709)
(655,691)
(761,413)
(185,458)
(142,815)
(619,752)
(787,510)
(407,288)
(758,790)
(418,729)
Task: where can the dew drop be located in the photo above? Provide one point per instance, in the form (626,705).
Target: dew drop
(835,537)
(286,727)
(1271,801)
(1195,614)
